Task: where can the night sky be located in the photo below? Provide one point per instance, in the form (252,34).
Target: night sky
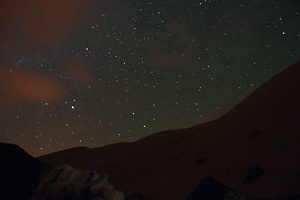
(93,73)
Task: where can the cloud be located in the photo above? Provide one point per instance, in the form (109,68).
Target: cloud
(176,51)
(35,25)
(186,39)
(77,72)
(30,25)
(177,56)
(18,86)
(168,60)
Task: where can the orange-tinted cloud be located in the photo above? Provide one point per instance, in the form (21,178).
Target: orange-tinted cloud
(30,25)
(167,60)
(18,86)
(177,53)
(36,25)
(186,39)
(77,72)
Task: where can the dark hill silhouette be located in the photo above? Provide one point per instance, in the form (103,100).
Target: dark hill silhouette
(19,172)
(254,149)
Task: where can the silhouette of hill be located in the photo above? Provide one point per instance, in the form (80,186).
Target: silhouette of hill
(19,172)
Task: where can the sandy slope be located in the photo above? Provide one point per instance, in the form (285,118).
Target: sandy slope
(254,148)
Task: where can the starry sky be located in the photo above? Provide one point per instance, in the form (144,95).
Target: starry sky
(92,73)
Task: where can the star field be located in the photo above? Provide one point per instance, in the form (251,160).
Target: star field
(139,67)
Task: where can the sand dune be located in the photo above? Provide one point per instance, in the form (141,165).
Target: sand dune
(254,149)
